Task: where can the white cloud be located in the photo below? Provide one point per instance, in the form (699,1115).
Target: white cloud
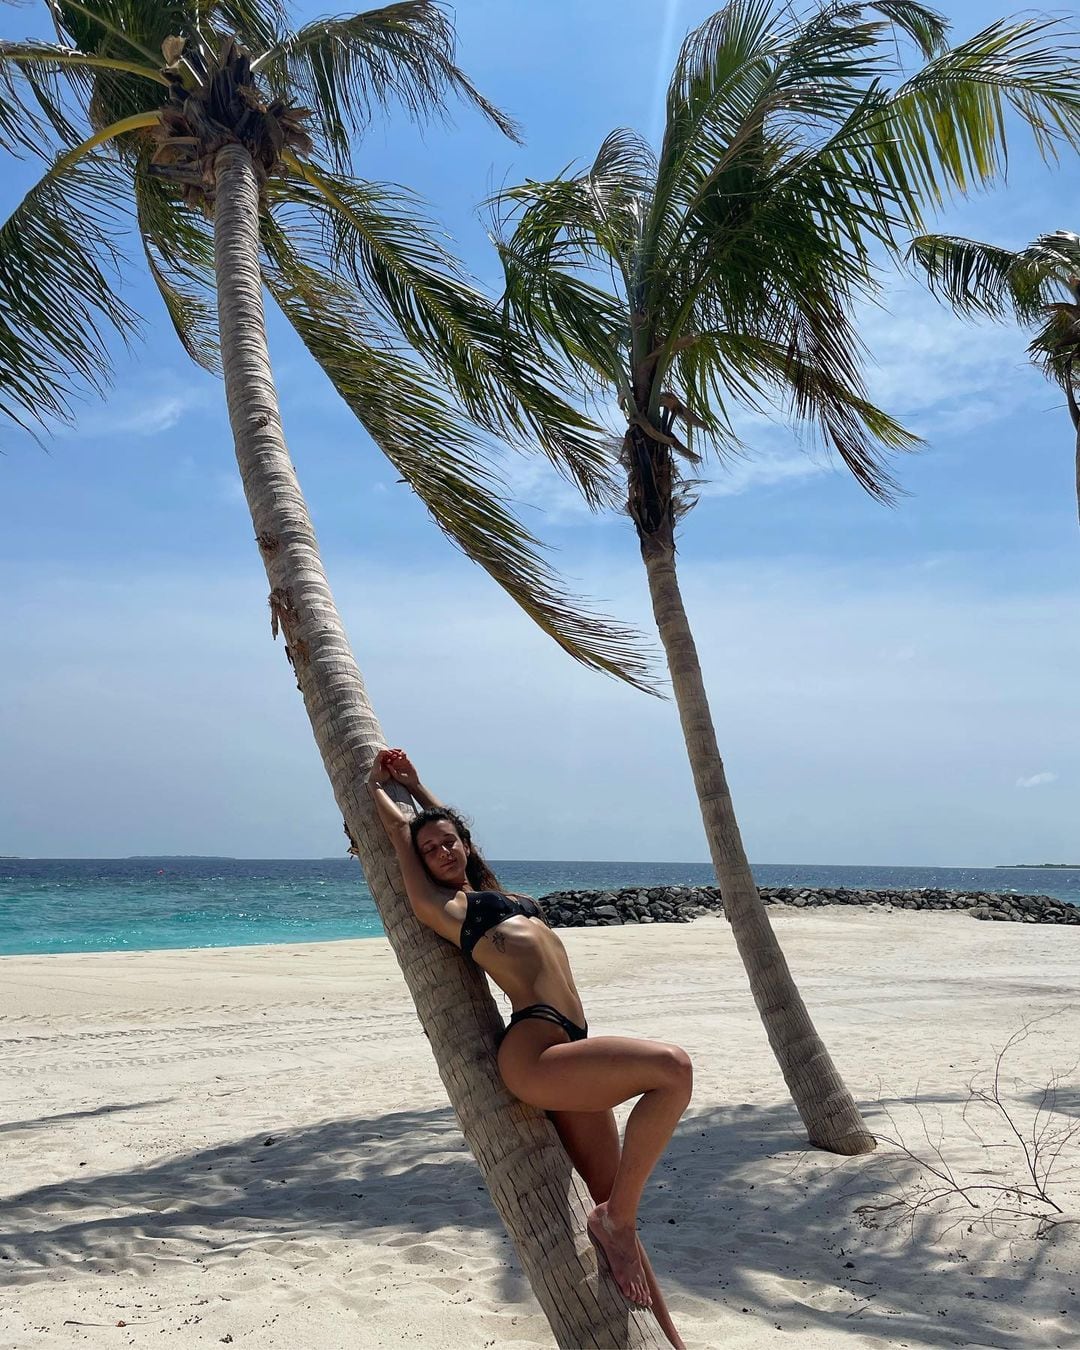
(1037,780)
(131,413)
(157,414)
(769,461)
(534,488)
(767,468)
(943,374)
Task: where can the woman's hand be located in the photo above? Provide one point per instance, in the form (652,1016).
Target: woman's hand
(380,773)
(401,768)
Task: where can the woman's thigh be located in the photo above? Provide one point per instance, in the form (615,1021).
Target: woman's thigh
(591,1140)
(590,1075)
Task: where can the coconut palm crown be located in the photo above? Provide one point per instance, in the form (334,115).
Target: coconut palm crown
(1038,286)
(795,152)
(129,107)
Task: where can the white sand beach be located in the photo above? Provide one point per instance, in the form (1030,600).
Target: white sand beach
(252,1146)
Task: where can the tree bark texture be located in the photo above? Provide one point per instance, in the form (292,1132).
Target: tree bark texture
(519,1153)
(828,1111)
(1077,465)
(1074,414)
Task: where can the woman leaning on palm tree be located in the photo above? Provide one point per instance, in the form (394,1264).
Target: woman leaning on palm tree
(545,1055)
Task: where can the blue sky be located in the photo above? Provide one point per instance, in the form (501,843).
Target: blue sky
(889,685)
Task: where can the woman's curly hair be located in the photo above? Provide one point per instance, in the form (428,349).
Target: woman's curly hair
(480,875)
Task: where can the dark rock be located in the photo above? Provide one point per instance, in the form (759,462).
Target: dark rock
(681,904)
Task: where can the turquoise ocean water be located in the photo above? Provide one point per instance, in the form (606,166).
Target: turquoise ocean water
(140,904)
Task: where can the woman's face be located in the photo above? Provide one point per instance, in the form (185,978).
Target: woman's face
(440,846)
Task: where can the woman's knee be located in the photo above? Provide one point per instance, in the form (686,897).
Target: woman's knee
(678,1069)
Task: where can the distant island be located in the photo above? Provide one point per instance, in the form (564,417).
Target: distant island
(1075,867)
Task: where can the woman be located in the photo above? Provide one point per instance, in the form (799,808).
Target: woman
(545,1056)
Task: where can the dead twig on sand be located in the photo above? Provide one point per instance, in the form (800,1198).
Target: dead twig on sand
(1035,1153)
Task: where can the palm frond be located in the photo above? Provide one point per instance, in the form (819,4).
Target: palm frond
(978,278)
(24,128)
(561,310)
(70,87)
(437,454)
(179,251)
(48,58)
(345,68)
(764,374)
(826,389)
(556,239)
(375,235)
(1060,250)
(717,101)
(620,185)
(928,29)
(755,91)
(258,24)
(118,25)
(982,279)
(32,102)
(750,87)
(1056,350)
(60,261)
(944,131)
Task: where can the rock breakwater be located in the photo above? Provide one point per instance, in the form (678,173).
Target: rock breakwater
(681,904)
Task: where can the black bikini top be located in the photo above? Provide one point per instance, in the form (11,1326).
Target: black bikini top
(487,909)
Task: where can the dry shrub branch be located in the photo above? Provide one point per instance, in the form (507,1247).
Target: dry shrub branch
(1030,1138)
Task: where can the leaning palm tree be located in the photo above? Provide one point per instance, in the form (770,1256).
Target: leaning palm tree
(723,271)
(218,139)
(1030,284)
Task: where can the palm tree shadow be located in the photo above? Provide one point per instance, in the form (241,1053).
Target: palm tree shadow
(738,1212)
(1062,1100)
(762,1223)
(109,1109)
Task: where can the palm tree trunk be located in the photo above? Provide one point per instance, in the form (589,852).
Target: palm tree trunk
(829,1113)
(1077,465)
(519,1153)
(1077,458)
(1074,413)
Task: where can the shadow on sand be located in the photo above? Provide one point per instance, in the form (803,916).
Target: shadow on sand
(59,1117)
(737,1210)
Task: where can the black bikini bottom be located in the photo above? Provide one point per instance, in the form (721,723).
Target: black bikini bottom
(546,1013)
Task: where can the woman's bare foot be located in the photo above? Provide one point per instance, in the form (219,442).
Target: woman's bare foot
(620,1246)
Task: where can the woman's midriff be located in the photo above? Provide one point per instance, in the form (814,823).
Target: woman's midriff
(530,965)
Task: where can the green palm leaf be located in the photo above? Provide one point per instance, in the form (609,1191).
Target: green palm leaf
(61,252)
(375,234)
(979,278)
(1036,285)
(406,414)
(944,130)
(346,68)
(259,24)
(787,166)
(179,252)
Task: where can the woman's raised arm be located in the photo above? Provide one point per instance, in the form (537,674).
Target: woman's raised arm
(426,900)
(395,821)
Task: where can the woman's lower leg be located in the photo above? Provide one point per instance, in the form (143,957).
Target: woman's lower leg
(649,1128)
